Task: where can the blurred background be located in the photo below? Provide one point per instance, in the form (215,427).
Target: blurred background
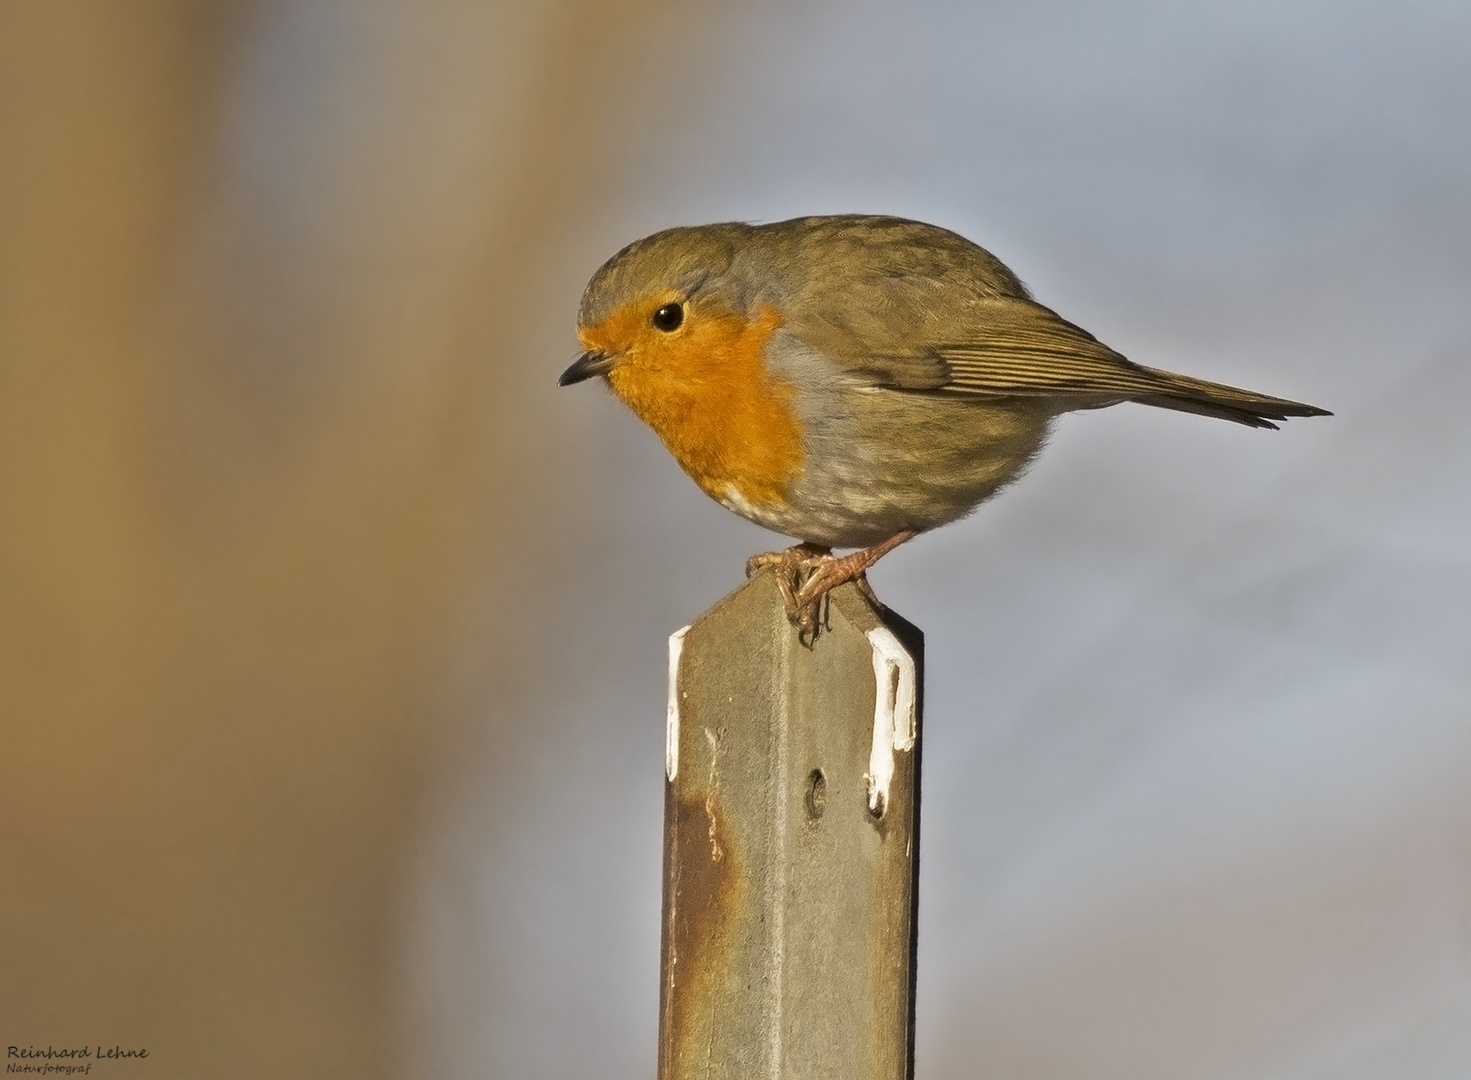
(332,633)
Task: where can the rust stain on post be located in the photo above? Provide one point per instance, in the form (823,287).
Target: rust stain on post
(701,898)
(791,845)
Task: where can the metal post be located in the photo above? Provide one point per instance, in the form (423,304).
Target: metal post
(791,843)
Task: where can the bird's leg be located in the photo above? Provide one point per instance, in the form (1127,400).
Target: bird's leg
(808,572)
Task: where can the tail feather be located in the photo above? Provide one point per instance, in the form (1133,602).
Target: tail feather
(1184,394)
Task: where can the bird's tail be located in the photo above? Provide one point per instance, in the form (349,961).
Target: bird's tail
(1184,394)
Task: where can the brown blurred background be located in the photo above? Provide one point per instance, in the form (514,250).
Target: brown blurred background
(331,632)
(270,304)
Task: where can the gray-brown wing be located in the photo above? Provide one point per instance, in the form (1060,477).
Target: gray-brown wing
(915,307)
(1018,348)
(1015,348)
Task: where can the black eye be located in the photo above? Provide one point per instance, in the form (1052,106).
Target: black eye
(669,317)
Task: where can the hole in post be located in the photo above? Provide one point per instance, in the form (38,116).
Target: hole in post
(816,797)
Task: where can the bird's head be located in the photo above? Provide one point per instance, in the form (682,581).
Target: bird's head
(659,301)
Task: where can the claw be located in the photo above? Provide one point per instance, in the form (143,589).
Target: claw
(805,574)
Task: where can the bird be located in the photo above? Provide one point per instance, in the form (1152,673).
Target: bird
(852,381)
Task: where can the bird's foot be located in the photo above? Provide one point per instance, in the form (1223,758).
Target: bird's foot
(805,574)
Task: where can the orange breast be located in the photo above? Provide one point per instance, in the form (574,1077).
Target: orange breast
(707,394)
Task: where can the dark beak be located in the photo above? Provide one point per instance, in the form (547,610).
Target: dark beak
(586,366)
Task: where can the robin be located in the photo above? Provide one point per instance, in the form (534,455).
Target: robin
(852,381)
